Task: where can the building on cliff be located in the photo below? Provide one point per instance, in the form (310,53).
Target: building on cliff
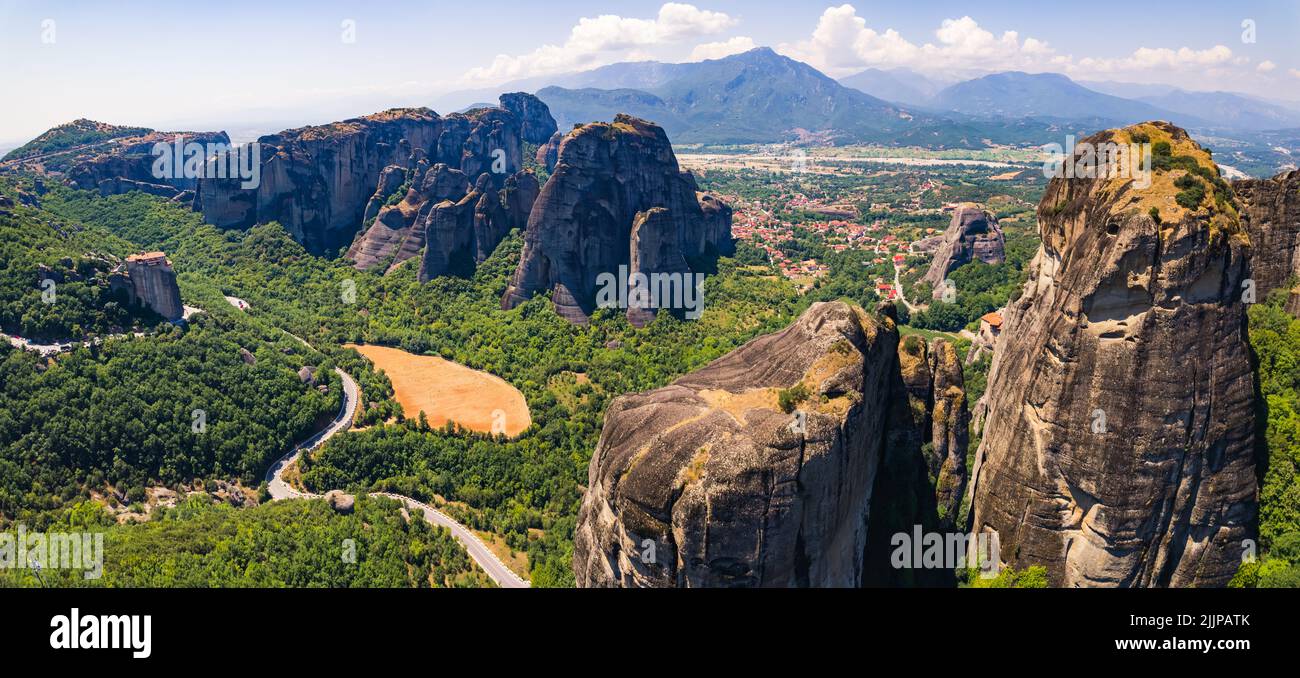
(153,283)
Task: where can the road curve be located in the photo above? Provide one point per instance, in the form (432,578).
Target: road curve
(898,285)
(279,489)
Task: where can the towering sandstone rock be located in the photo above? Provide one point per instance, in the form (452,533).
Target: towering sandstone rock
(608,178)
(1118,444)
(937,401)
(535,121)
(713,481)
(1271,212)
(973,234)
(321,183)
(153,284)
(723,483)
(459,235)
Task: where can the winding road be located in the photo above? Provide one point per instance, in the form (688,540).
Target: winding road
(279,489)
(899,286)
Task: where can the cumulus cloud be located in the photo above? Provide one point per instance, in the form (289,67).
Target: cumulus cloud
(595,41)
(1162,58)
(842,43)
(717,50)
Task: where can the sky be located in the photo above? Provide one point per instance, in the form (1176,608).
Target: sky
(171,65)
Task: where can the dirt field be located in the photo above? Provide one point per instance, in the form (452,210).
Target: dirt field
(447,391)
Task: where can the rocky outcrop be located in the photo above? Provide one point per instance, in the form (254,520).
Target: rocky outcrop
(460,235)
(580,230)
(1118,444)
(316,181)
(391,179)
(972,235)
(398,231)
(321,182)
(340,501)
(127,164)
(535,121)
(711,482)
(549,153)
(1270,209)
(153,284)
(936,391)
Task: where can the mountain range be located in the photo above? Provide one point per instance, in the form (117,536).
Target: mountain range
(760,96)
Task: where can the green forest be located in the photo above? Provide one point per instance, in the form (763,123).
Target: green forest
(204,543)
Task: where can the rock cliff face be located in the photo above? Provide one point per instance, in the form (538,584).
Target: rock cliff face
(153,284)
(973,234)
(127,165)
(937,395)
(1271,212)
(397,232)
(460,235)
(536,123)
(707,482)
(322,182)
(1118,443)
(549,152)
(607,176)
(316,181)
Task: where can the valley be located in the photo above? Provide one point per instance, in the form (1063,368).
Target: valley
(746,319)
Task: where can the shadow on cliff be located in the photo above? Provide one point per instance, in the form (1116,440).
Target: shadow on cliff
(903,498)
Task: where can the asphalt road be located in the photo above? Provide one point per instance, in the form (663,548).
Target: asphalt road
(279,489)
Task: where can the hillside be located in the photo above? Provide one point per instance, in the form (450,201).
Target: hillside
(1047,95)
(898,85)
(756,96)
(68,135)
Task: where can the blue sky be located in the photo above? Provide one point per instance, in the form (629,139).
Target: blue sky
(224,64)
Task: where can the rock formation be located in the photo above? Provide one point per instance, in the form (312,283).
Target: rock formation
(127,164)
(1271,213)
(322,182)
(606,178)
(459,235)
(316,181)
(973,234)
(153,284)
(549,152)
(708,482)
(535,121)
(1118,447)
(936,390)
(397,232)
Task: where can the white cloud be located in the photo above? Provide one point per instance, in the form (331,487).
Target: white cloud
(603,39)
(717,50)
(1162,58)
(842,43)
(1295,73)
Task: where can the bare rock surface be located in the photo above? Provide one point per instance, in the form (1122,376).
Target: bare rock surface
(1118,443)
(973,234)
(581,227)
(708,482)
(1271,213)
(321,182)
